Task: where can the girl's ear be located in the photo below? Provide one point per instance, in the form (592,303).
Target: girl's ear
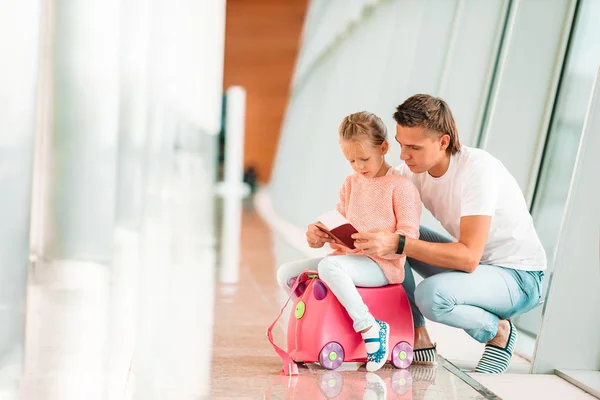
(384,147)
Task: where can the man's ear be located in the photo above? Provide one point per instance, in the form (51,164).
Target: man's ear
(444,142)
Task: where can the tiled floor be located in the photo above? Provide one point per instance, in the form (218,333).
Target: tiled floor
(521,386)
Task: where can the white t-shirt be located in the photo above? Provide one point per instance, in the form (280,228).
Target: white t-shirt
(477,183)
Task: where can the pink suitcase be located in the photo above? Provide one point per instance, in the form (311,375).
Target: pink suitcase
(320,330)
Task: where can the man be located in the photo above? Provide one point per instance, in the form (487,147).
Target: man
(492,269)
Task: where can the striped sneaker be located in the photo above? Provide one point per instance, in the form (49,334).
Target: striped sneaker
(495,359)
(426,356)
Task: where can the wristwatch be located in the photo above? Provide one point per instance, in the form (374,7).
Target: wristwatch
(401,243)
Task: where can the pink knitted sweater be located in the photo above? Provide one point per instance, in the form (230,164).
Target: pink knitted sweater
(391,203)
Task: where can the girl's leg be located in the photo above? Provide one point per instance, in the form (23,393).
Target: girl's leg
(291,270)
(342,274)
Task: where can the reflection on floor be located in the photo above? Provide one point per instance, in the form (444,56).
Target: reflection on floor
(417,382)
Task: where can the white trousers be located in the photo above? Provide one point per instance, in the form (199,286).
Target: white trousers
(342,274)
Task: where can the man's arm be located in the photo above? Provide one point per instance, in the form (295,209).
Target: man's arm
(463,255)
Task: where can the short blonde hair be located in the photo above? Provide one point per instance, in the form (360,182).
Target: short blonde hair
(431,113)
(363,124)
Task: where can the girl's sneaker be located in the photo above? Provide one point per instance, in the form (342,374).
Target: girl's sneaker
(376,342)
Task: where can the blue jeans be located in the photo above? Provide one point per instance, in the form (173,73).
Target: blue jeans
(473,302)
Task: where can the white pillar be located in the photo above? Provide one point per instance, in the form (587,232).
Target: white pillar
(19,47)
(176,278)
(82,146)
(132,112)
(75,217)
(130,193)
(233,189)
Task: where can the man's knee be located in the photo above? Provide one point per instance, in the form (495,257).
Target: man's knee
(434,301)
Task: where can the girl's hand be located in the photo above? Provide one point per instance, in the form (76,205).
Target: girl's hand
(315,237)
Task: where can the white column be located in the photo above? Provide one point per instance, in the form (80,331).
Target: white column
(75,217)
(132,111)
(80,209)
(233,189)
(176,278)
(19,49)
(130,193)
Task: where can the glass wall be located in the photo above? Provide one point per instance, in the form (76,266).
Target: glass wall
(563,138)
(393,50)
(518,75)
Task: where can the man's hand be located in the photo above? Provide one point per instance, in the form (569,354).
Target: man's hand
(376,242)
(315,237)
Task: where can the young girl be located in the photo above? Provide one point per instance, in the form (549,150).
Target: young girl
(374,197)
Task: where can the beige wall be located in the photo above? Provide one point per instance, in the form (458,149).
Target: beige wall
(261,43)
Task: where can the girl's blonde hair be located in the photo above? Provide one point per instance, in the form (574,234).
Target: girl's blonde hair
(363,124)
